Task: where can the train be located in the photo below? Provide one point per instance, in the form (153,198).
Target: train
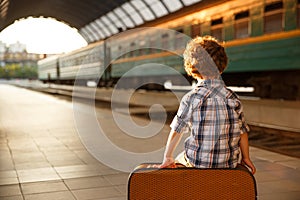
(261,39)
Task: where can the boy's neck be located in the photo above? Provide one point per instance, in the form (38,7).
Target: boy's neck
(199,80)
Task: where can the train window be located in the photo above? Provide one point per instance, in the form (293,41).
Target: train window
(165,40)
(165,35)
(180,30)
(273,17)
(241,25)
(78,60)
(179,41)
(298,14)
(119,52)
(217,29)
(152,45)
(93,57)
(132,49)
(142,49)
(195,30)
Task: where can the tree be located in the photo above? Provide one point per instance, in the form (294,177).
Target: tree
(17,71)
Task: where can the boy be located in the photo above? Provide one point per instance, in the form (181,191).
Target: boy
(211,112)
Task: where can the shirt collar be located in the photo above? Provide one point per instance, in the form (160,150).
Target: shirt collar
(211,82)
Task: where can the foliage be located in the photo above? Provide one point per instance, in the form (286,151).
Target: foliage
(17,71)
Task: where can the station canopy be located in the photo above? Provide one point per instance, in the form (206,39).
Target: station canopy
(95,19)
(129,15)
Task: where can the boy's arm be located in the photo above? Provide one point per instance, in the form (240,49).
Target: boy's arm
(244,145)
(173,140)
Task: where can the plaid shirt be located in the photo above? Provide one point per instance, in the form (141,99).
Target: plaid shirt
(215,118)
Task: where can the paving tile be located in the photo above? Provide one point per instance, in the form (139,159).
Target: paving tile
(22,145)
(122,188)
(280,196)
(50,151)
(33,178)
(279,186)
(271,156)
(64,132)
(17,197)
(86,157)
(77,171)
(277,175)
(77,168)
(8,181)
(6,164)
(9,190)
(104,170)
(32,165)
(5,153)
(113,198)
(117,179)
(79,174)
(58,156)
(293,163)
(67,162)
(265,165)
(96,193)
(39,174)
(8,174)
(28,157)
(62,195)
(42,187)
(72,143)
(88,182)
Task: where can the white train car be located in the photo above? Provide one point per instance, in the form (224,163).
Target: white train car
(48,69)
(82,65)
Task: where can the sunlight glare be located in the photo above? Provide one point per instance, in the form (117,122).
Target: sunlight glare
(43,35)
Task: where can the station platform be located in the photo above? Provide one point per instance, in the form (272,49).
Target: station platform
(42,156)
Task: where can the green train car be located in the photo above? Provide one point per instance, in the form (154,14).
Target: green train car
(272,66)
(262,40)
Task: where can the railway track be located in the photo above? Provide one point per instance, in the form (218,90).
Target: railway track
(275,140)
(284,142)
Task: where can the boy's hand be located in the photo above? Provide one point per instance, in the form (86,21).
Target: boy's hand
(168,162)
(249,164)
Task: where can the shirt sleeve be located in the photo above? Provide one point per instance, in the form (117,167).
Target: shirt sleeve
(242,122)
(181,120)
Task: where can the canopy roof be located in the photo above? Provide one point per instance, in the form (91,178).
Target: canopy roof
(95,19)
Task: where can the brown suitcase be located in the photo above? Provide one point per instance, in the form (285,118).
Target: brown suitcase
(146,182)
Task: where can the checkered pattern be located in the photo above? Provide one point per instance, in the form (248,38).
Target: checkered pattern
(214,116)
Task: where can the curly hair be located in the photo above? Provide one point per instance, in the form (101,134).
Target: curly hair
(214,48)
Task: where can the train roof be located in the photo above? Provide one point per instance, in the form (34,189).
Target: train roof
(48,59)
